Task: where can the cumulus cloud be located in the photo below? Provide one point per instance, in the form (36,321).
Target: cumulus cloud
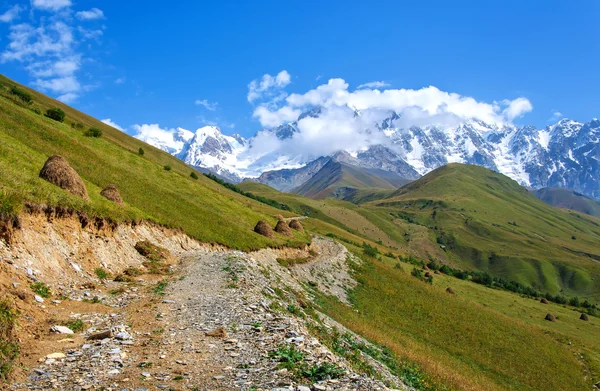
(374,84)
(212,106)
(277,117)
(92,14)
(516,108)
(429,101)
(50,5)
(268,86)
(68,97)
(109,122)
(12,14)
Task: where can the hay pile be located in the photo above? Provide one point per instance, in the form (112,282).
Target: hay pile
(283,228)
(550,318)
(584,317)
(295,224)
(544,301)
(57,171)
(428,274)
(263,228)
(279,217)
(450,290)
(111,193)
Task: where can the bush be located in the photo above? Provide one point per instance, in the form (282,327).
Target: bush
(9,347)
(41,289)
(167,167)
(101,273)
(369,250)
(194,175)
(141,152)
(56,114)
(93,132)
(24,96)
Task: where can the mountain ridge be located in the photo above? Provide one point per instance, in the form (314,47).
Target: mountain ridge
(565,154)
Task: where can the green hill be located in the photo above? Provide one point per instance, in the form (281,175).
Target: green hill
(341,181)
(568,199)
(488,222)
(202,208)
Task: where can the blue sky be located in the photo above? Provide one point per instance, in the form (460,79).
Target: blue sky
(187,64)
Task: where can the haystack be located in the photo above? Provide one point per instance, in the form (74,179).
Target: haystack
(295,224)
(428,274)
(544,301)
(584,317)
(57,170)
(263,228)
(279,217)
(450,290)
(111,193)
(550,317)
(283,228)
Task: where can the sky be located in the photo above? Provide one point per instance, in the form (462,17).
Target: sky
(244,66)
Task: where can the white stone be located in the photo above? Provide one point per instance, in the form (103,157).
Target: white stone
(62,329)
(38,298)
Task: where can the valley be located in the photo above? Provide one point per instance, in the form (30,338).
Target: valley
(443,283)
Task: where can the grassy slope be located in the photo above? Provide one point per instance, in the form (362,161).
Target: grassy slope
(568,199)
(202,208)
(549,248)
(478,339)
(481,338)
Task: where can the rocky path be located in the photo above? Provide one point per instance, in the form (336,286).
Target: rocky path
(226,321)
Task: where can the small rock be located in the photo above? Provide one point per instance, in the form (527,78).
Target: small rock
(38,298)
(146,374)
(57,355)
(169,301)
(302,388)
(219,332)
(61,329)
(123,335)
(319,387)
(101,335)
(114,372)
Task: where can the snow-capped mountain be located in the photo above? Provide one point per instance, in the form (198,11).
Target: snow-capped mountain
(566,154)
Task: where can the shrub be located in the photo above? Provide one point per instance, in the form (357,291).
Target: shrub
(141,152)
(288,356)
(24,96)
(167,167)
(101,273)
(41,289)
(369,250)
(56,114)
(194,175)
(76,325)
(93,132)
(323,371)
(9,347)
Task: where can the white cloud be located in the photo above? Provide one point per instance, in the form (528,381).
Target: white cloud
(28,42)
(61,85)
(50,5)
(68,97)
(92,14)
(62,67)
(374,84)
(270,118)
(516,108)
(268,86)
(120,80)
(11,14)
(49,48)
(556,115)
(207,105)
(109,122)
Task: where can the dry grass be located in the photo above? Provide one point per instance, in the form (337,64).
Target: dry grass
(57,171)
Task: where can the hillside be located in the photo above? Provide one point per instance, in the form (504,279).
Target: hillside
(568,199)
(338,180)
(488,222)
(202,208)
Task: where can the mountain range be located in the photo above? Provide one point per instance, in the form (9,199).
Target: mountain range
(563,155)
